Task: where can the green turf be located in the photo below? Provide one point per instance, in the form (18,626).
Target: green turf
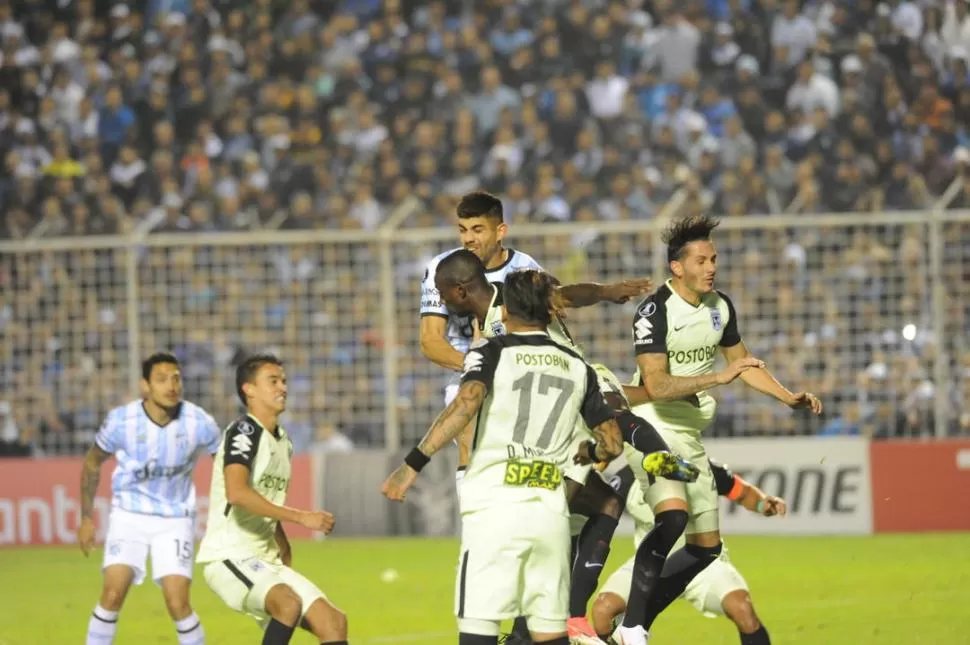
(885,590)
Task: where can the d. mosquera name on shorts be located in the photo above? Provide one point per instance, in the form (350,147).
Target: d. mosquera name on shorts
(532,474)
(542,360)
(692,355)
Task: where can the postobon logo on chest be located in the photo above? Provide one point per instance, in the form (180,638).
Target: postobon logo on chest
(692,355)
(274,483)
(532,474)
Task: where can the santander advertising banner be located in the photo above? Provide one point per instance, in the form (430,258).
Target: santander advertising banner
(40,499)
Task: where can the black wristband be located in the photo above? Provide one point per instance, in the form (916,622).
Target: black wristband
(591,447)
(417,459)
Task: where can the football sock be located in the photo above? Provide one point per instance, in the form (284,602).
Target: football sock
(277,633)
(681,567)
(640,434)
(335,643)
(594,547)
(521,628)
(759,637)
(649,561)
(102,626)
(476,639)
(190,630)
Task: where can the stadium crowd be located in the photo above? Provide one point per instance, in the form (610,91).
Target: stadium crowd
(212,115)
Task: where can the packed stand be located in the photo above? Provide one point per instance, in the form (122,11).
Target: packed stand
(211,115)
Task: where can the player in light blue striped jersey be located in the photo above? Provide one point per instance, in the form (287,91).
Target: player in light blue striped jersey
(157,441)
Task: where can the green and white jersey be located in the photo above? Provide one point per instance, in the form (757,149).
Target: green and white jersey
(537,392)
(690,336)
(493,326)
(232,532)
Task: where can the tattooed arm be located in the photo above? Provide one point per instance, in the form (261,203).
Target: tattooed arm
(90,477)
(609,441)
(446,427)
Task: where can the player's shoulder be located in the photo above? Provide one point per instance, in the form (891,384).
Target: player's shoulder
(195,411)
(246,427)
(720,295)
(129,410)
(655,302)
(433,263)
(519,260)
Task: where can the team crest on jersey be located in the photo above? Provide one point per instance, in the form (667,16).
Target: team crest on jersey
(246,427)
(498,328)
(716,320)
(648,309)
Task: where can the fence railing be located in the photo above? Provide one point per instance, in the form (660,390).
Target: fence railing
(868,310)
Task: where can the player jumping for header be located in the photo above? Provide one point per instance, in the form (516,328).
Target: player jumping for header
(245,551)
(526,393)
(157,441)
(677,333)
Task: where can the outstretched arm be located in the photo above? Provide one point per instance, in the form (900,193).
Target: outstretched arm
(763,381)
(742,492)
(584,294)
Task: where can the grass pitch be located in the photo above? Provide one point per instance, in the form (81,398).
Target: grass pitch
(882,590)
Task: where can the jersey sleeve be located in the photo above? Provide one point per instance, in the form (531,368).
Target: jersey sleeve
(731,336)
(594,408)
(650,328)
(212,434)
(109,436)
(242,442)
(531,263)
(724,480)
(480,363)
(431,304)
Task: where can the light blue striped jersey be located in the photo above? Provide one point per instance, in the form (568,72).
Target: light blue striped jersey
(461,329)
(153,475)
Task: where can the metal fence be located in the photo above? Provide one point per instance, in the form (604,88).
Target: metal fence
(870,311)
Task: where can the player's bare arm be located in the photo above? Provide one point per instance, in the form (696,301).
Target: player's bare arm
(283,542)
(755,500)
(763,381)
(585,294)
(90,477)
(660,385)
(435,345)
(240,493)
(449,424)
(607,447)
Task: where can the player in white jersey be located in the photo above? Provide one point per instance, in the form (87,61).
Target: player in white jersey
(461,281)
(245,553)
(720,589)
(525,393)
(156,441)
(677,334)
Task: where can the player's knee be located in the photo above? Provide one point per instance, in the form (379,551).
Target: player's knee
(283,604)
(738,607)
(606,607)
(613,506)
(113,597)
(178,606)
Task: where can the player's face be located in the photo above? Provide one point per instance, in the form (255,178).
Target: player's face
(698,267)
(164,385)
(268,388)
(482,236)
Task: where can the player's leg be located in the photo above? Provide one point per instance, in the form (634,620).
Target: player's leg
(702,532)
(545,575)
(254,587)
(603,506)
(610,603)
(171,550)
(320,616)
(125,558)
(739,608)
(284,607)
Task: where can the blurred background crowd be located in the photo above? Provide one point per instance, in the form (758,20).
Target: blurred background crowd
(200,116)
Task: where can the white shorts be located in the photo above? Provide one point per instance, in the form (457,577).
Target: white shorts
(243,584)
(132,536)
(705,592)
(451,391)
(514,561)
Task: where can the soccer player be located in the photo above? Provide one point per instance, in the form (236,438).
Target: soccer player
(157,441)
(525,393)
(463,287)
(718,590)
(677,332)
(245,551)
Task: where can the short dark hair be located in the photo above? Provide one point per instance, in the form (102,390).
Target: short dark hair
(686,230)
(532,296)
(461,267)
(246,371)
(481,204)
(158,358)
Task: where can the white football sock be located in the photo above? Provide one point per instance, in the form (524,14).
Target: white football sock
(190,630)
(102,626)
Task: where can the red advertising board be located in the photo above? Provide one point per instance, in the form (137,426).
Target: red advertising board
(920,485)
(40,499)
